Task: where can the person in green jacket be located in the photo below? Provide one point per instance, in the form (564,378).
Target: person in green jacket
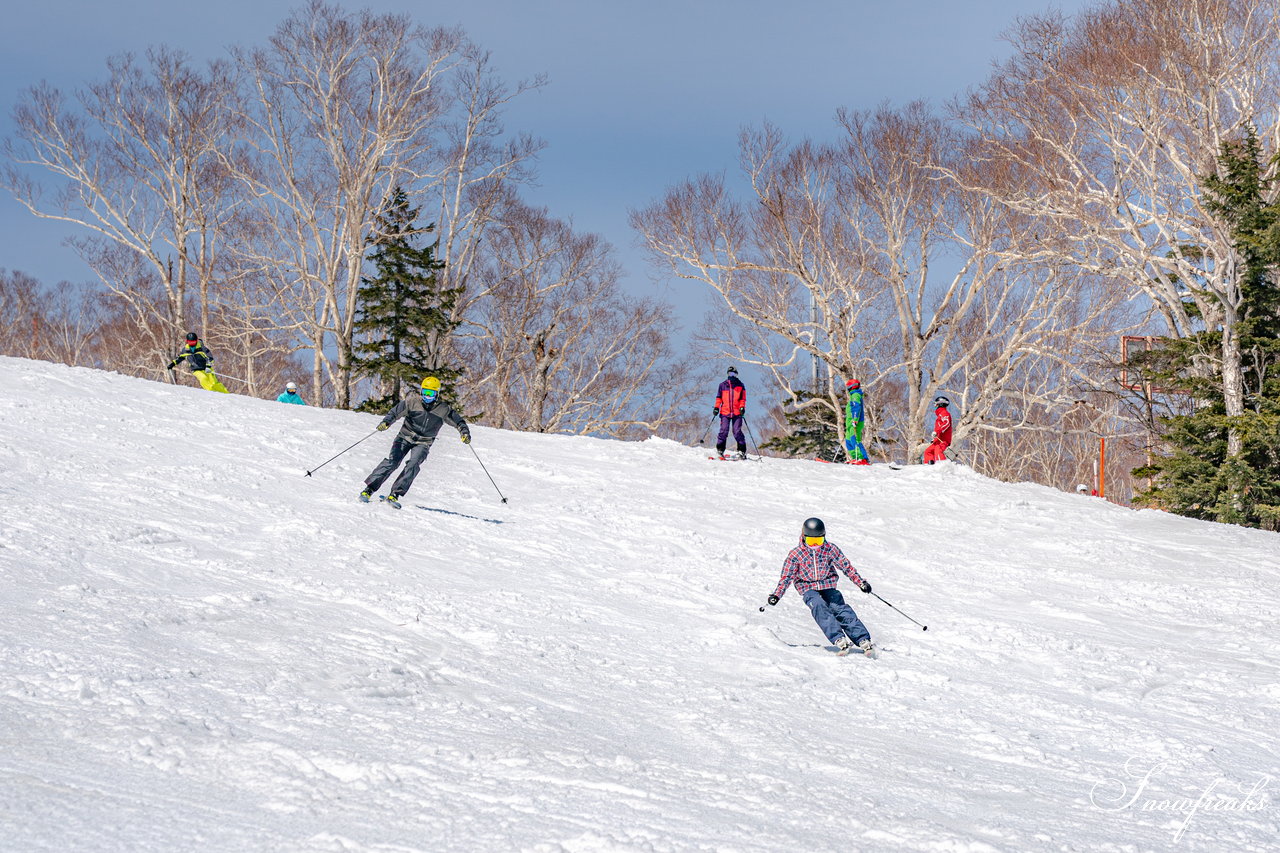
(200,360)
(853,425)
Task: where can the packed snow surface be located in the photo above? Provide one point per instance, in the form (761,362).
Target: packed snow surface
(203,649)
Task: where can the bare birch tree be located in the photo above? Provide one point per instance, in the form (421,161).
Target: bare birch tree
(786,267)
(556,346)
(476,170)
(859,254)
(134,161)
(1114,117)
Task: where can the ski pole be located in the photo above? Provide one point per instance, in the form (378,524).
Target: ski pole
(746,423)
(707,430)
(336,455)
(486,472)
(922,627)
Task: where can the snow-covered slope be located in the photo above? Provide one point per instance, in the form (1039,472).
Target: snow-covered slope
(202,649)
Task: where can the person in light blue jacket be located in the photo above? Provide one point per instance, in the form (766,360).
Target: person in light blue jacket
(291,395)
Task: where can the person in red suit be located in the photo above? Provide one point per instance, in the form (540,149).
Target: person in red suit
(937,449)
(731,402)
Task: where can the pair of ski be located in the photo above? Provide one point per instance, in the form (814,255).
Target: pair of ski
(894,466)
(386,499)
(868,652)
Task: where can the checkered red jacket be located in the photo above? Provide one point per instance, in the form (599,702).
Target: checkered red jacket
(815,568)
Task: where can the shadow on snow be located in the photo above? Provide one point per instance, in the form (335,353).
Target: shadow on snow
(458,514)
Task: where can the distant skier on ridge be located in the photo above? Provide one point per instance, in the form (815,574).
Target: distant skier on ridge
(812,567)
(937,449)
(291,395)
(423,412)
(853,424)
(200,360)
(731,403)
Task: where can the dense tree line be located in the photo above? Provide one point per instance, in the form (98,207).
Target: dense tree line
(1116,175)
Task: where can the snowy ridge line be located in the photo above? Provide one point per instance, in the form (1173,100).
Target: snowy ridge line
(202,649)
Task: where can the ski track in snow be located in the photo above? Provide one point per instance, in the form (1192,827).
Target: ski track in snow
(202,649)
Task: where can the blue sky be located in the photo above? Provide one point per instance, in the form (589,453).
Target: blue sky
(641,95)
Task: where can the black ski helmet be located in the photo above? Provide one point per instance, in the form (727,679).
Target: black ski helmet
(814,527)
(192,337)
(733,371)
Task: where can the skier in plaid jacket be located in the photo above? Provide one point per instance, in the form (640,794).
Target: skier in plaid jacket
(813,567)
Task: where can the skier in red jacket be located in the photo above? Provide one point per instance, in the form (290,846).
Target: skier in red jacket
(937,449)
(731,403)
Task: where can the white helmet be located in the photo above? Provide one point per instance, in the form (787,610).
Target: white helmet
(289,386)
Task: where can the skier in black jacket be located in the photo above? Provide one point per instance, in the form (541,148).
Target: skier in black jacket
(200,360)
(423,412)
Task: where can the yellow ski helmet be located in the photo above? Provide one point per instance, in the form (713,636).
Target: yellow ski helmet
(431,383)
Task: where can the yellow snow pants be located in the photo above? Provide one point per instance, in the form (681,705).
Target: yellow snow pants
(208,381)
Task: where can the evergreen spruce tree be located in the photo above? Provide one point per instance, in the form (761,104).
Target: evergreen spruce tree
(1198,478)
(403,315)
(813,431)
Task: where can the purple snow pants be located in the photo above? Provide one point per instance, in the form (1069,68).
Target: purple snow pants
(734,422)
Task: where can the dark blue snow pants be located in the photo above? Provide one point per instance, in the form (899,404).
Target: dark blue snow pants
(835,617)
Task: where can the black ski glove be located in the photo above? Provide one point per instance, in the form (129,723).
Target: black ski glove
(383,426)
(865,586)
(773,599)
(466,436)
(715,412)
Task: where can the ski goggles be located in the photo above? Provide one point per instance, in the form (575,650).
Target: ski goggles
(429,394)
(814,540)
